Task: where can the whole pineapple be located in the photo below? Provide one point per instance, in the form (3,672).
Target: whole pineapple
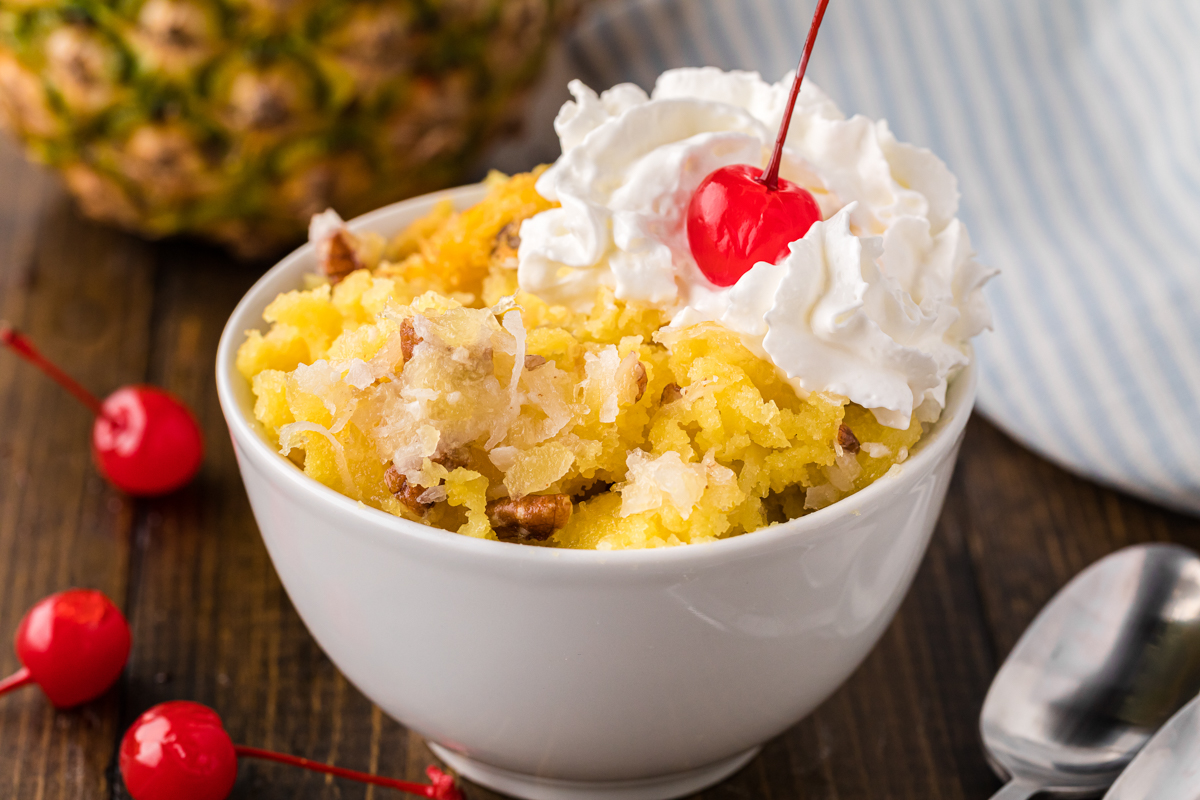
(239,119)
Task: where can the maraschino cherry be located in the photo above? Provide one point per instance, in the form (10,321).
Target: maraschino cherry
(73,644)
(180,751)
(740,215)
(145,441)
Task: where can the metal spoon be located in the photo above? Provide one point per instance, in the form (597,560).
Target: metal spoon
(1106,662)
(1168,768)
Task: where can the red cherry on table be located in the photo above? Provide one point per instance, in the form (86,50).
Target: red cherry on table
(734,221)
(740,215)
(73,644)
(145,441)
(180,751)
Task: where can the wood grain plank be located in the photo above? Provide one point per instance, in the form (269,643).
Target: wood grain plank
(83,293)
(1034,526)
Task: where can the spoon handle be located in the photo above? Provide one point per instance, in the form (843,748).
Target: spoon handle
(1015,790)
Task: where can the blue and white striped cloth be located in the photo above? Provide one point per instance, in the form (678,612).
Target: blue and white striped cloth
(1074,129)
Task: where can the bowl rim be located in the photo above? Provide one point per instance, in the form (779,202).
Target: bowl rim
(935,445)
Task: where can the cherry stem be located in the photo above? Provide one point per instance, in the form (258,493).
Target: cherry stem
(421,789)
(19,343)
(770,176)
(22,677)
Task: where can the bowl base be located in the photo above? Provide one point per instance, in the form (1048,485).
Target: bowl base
(532,787)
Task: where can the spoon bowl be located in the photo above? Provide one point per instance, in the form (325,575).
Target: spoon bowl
(1168,767)
(1109,660)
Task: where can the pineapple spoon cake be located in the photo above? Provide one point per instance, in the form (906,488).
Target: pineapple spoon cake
(551,366)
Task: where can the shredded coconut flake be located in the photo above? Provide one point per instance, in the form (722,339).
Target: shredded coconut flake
(434,494)
(601,370)
(844,472)
(542,387)
(651,482)
(516,326)
(344,415)
(821,496)
(359,374)
(322,380)
(323,226)
(876,449)
(422,444)
(503,457)
(505,304)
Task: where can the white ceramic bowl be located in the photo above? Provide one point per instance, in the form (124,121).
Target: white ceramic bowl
(582,674)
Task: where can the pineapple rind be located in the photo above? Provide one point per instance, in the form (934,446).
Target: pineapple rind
(239,119)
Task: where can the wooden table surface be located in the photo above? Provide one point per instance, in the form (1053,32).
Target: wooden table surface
(211,622)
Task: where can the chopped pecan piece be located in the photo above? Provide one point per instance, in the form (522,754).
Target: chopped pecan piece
(407,494)
(639,375)
(670,393)
(532,362)
(408,338)
(529,518)
(340,259)
(508,242)
(394,480)
(453,459)
(848,440)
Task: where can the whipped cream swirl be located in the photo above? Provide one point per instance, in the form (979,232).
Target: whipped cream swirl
(876,303)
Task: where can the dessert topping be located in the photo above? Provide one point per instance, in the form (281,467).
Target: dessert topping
(181,751)
(874,304)
(533,517)
(736,219)
(740,215)
(144,440)
(73,644)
